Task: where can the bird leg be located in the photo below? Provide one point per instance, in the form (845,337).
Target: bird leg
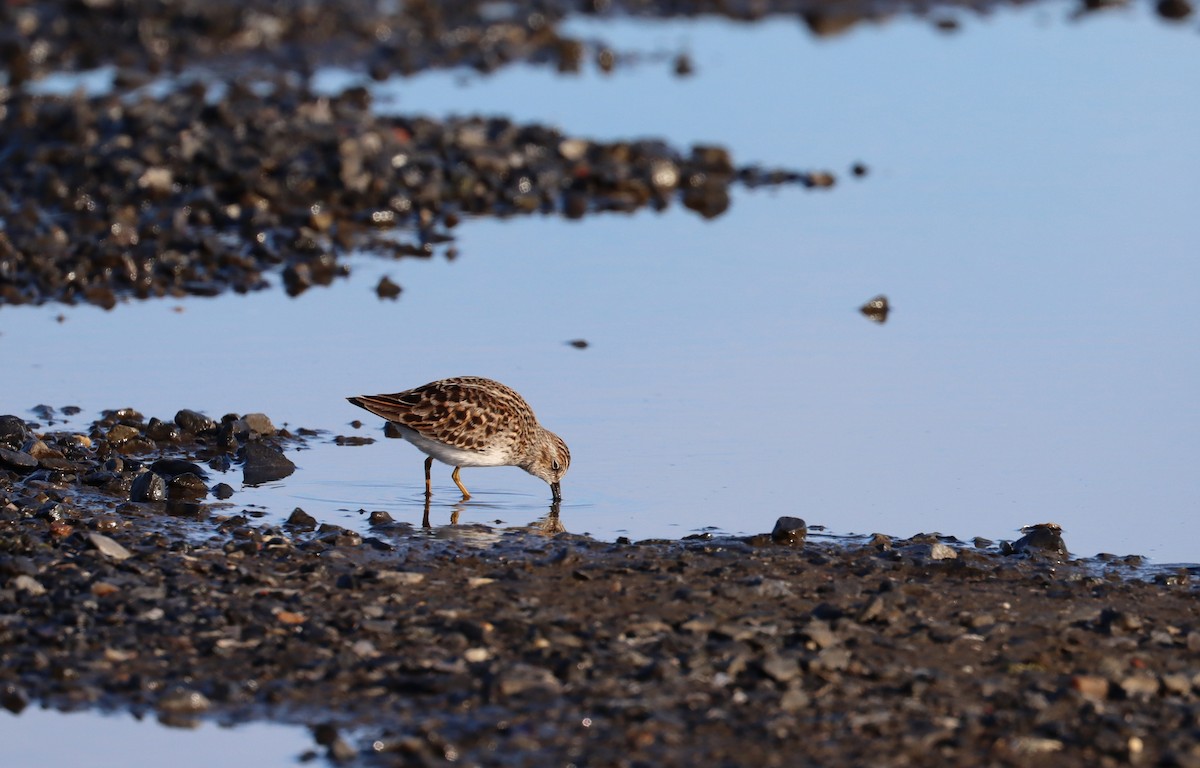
(428,487)
(461,487)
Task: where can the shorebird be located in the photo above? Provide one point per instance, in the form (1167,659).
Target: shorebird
(471,421)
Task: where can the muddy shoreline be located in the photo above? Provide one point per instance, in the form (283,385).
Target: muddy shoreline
(412,646)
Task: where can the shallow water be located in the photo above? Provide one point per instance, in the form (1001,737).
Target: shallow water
(1029,211)
(35,739)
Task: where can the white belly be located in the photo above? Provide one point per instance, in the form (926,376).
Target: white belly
(497,456)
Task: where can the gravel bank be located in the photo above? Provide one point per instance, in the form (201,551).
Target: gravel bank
(529,647)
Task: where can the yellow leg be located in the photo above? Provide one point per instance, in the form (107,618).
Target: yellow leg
(461,487)
(428,487)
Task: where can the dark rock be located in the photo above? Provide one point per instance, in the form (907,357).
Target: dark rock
(301,520)
(13,698)
(148,487)
(380,517)
(789,530)
(171,467)
(13,432)
(194,422)
(1174,10)
(263,463)
(386,289)
(1043,538)
(120,433)
(18,460)
(162,431)
(186,486)
(222,491)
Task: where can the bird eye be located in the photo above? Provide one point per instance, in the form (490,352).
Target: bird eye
(555,466)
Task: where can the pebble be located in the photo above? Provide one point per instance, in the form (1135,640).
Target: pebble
(184,701)
(29,585)
(789,530)
(386,289)
(263,463)
(18,460)
(108,547)
(194,421)
(148,487)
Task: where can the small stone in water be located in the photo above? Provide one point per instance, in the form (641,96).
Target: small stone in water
(301,519)
(386,289)
(264,463)
(789,530)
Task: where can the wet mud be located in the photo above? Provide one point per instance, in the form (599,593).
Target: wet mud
(532,646)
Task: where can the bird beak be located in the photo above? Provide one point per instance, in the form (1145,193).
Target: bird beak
(555,490)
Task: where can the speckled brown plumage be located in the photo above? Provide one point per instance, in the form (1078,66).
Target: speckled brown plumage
(472,421)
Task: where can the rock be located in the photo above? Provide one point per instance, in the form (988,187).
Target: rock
(163,431)
(380,517)
(119,433)
(169,468)
(525,679)
(148,487)
(386,289)
(18,460)
(1043,538)
(28,584)
(780,669)
(1177,684)
(184,701)
(400,578)
(932,551)
(263,463)
(789,530)
(222,491)
(1174,10)
(1140,687)
(194,422)
(1091,687)
(13,698)
(186,486)
(13,431)
(108,547)
(258,423)
(341,752)
(301,520)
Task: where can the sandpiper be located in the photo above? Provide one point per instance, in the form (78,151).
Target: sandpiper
(471,421)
